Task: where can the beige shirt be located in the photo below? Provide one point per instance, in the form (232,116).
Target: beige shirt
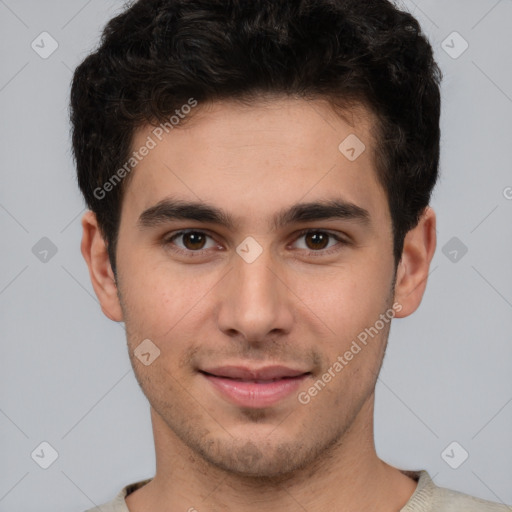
(427,497)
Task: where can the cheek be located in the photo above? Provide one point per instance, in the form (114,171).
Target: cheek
(345,295)
(164,304)
(147,284)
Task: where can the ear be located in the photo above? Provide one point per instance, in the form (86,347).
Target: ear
(94,251)
(412,271)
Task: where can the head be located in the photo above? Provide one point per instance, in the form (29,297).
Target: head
(258,120)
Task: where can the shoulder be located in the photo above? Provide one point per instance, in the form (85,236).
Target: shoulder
(452,501)
(428,497)
(118,504)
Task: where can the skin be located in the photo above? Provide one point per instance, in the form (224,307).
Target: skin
(294,305)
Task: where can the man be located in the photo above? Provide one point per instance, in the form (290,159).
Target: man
(258,176)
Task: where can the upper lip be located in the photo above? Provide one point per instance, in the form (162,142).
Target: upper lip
(264,373)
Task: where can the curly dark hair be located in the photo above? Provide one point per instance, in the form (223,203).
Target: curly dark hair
(157,54)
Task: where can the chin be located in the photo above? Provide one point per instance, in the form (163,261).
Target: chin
(252,461)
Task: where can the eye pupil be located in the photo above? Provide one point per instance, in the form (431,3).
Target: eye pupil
(194,240)
(317,238)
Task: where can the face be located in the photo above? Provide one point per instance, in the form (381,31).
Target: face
(255,293)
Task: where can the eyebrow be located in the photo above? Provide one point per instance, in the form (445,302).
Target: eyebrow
(174,209)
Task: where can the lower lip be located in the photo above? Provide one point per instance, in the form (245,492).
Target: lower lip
(255,394)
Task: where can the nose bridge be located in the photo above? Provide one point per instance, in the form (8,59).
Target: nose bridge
(254,278)
(254,300)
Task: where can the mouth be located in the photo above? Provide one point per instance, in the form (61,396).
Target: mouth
(254,388)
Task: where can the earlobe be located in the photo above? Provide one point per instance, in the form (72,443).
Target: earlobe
(94,251)
(413,269)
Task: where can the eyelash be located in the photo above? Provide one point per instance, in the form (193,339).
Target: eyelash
(168,242)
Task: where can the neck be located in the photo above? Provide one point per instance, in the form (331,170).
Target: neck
(348,475)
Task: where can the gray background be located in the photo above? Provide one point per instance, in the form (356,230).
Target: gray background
(65,372)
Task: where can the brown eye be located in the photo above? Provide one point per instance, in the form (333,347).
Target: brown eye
(319,243)
(190,242)
(194,240)
(316,240)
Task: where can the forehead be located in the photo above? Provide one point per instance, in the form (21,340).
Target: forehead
(254,159)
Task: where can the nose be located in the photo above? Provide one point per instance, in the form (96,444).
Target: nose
(255,301)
